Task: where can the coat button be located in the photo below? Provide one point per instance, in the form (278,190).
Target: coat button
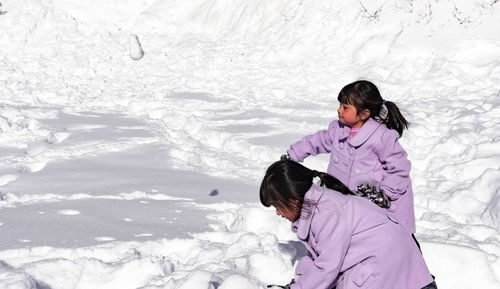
(341,145)
(357,170)
(335,159)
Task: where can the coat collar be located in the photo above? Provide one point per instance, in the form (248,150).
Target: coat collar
(344,135)
(302,225)
(364,133)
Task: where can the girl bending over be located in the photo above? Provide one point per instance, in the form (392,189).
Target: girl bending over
(351,242)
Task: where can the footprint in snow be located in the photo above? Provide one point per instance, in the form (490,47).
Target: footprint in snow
(85,127)
(33,167)
(69,212)
(143,235)
(5,179)
(35,149)
(57,137)
(104,239)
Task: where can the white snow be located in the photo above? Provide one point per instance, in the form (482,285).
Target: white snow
(69,212)
(117,173)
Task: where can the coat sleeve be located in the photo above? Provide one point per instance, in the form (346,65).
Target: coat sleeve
(394,160)
(332,235)
(317,143)
(304,264)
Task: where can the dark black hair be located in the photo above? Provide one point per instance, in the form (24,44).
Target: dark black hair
(288,180)
(363,94)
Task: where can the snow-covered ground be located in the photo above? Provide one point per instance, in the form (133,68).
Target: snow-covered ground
(124,170)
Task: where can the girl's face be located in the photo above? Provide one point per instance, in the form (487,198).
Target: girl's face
(290,212)
(348,115)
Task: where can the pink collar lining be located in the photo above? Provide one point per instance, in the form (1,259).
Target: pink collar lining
(353,132)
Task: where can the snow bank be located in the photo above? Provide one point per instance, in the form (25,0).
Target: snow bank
(243,255)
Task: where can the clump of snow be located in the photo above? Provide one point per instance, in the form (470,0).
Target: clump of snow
(20,126)
(69,212)
(237,281)
(11,278)
(135,47)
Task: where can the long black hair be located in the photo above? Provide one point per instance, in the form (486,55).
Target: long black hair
(363,94)
(287,180)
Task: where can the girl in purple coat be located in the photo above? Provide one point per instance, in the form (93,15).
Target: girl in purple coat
(351,242)
(364,148)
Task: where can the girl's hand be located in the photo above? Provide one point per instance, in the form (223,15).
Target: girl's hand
(284,157)
(280,286)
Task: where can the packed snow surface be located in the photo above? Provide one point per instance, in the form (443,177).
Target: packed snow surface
(134,134)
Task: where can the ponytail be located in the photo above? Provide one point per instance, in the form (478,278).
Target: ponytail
(394,119)
(332,183)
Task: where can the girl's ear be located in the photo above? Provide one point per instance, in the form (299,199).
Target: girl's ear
(365,114)
(293,204)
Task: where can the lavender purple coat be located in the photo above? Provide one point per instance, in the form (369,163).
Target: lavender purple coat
(373,155)
(352,243)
